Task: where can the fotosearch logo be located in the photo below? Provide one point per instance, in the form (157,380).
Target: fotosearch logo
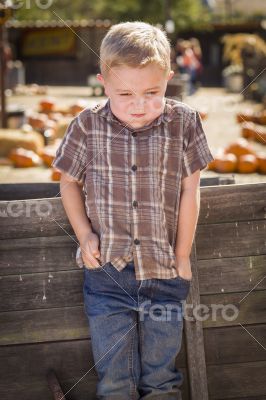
(28,4)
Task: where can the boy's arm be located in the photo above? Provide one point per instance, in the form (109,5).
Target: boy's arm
(187,222)
(74,204)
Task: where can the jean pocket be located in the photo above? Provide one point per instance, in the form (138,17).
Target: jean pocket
(96,269)
(187,281)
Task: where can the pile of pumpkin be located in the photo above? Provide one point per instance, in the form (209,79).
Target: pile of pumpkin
(35,144)
(253,125)
(240,156)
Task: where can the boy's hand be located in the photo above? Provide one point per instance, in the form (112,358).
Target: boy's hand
(183,267)
(90,250)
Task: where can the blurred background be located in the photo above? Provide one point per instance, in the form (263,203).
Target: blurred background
(49,61)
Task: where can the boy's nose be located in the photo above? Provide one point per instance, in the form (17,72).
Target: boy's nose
(139,104)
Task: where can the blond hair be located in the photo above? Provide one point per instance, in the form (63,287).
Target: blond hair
(134,44)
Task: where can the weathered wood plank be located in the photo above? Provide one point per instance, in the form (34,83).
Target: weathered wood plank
(42,290)
(233,309)
(224,275)
(237,380)
(195,342)
(231,239)
(36,190)
(31,218)
(40,254)
(43,325)
(23,191)
(229,203)
(23,370)
(234,344)
(64,289)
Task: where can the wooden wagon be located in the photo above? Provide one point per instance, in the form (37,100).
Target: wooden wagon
(42,320)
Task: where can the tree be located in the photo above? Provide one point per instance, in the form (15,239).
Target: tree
(185,13)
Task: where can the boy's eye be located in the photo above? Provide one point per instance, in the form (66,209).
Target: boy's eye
(125,94)
(151,93)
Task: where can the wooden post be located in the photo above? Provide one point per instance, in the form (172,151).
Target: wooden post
(194,339)
(2,78)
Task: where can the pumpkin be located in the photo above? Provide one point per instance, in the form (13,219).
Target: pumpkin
(46,105)
(38,121)
(225,163)
(55,175)
(78,106)
(247,164)
(246,116)
(261,157)
(239,148)
(48,155)
(260,136)
(248,130)
(211,166)
(254,132)
(22,158)
(261,117)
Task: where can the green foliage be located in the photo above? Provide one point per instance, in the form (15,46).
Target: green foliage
(186,13)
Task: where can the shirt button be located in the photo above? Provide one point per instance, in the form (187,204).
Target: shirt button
(134,134)
(134,168)
(136,241)
(135,203)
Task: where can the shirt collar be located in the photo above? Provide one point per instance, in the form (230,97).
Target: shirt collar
(106,112)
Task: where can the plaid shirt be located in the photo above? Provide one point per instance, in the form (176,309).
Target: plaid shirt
(132,181)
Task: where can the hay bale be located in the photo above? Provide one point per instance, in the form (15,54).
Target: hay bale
(12,139)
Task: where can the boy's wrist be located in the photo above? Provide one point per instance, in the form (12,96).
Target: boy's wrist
(82,236)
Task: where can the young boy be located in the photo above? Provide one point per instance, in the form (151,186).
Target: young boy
(130,187)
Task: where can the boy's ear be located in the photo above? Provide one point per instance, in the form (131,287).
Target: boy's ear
(170,76)
(100,78)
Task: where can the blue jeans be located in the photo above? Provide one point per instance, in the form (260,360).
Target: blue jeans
(136,333)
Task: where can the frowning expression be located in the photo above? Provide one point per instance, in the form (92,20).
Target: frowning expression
(136,94)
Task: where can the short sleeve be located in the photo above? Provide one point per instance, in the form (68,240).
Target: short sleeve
(71,155)
(196,152)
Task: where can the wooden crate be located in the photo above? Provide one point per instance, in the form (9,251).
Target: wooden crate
(42,318)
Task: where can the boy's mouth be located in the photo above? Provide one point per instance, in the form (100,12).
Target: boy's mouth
(137,115)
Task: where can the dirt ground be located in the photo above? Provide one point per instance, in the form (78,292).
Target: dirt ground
(220,126)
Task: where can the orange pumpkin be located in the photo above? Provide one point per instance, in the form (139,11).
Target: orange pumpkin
(77,107)
(248,130)
(261,157)
(38,121)
(55,175)
(48,155)
(246,116)
(22,158)
(262,117)
(247,164)
(46,105)
(211,166)
(240,147)
(225,163)
(260,136)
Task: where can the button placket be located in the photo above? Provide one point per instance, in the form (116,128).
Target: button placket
(134,168)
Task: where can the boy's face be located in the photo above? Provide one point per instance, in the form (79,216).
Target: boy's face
(136,94)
